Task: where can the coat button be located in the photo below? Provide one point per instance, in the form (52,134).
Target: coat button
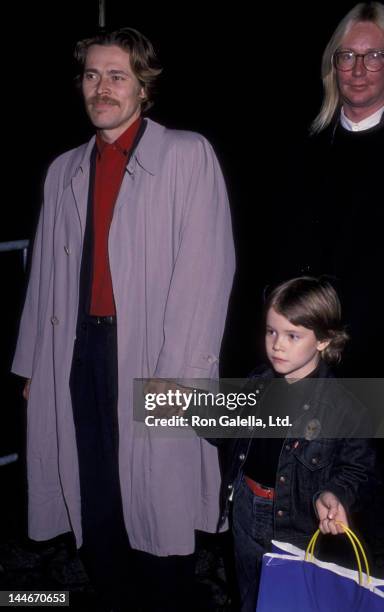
(306,407)
(211,359)
(54,320)
(230,487)
(282,479)
(280,513)
(241,457)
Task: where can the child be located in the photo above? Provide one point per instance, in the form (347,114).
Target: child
(287,488)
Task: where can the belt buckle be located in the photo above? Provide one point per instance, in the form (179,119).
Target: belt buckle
(268,492)
(105,319)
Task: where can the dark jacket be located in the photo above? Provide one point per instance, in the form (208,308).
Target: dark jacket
(307,467)
(336,221)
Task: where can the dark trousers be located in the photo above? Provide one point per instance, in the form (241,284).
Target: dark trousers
(125,579)
(252,535)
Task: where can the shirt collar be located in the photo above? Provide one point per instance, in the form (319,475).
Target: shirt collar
(147,152)
(365,124)
(123,144)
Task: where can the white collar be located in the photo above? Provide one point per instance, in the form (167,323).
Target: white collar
(365,124)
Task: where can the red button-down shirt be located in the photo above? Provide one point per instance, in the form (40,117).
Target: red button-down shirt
(111,162)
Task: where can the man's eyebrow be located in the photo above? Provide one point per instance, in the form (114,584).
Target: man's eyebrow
(112,71)
(116,71)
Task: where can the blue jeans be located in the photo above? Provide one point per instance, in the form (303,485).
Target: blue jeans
(252,534)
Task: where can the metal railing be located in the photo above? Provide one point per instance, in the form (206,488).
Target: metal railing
(16,245)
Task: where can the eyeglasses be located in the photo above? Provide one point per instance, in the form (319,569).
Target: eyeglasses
(346,60)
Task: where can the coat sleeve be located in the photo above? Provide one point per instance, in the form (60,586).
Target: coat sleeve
(35,311)
(353,472)
(202,276)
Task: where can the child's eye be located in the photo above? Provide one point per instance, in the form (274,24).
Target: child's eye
(270,332)
(294,336)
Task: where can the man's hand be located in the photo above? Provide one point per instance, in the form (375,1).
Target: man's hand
(330,510)
(26,389)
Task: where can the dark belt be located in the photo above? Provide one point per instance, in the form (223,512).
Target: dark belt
(107,320)
(258,489)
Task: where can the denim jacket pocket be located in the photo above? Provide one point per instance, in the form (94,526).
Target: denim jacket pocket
(317,454)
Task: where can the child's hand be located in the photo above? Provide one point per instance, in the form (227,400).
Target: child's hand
(330,510)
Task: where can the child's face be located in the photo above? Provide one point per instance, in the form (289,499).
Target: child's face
(293,350)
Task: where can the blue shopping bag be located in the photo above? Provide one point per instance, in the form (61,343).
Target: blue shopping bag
(290,583)
(286,548)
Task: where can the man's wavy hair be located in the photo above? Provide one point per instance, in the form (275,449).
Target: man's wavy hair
(143,59)
(365,11)
(314,304)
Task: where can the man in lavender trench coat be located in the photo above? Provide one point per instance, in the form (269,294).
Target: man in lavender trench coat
(131,273)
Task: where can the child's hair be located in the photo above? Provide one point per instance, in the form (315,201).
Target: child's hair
(314,304)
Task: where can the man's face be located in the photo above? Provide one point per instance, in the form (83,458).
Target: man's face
(361,91)
(293,350)
(112,92)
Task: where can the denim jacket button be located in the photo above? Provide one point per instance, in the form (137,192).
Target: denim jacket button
(241,457)
(287,447)
(280,513)
(314,460)
(282,479)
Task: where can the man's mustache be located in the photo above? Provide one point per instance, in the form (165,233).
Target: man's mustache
(103,100)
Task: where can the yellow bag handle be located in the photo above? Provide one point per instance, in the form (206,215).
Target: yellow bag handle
(309,553)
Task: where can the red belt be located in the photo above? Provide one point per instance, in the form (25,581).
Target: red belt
(258,489)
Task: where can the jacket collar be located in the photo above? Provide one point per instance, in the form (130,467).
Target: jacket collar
(265,371)
(85,155)
(146,153)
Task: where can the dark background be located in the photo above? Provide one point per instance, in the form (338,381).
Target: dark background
(245,75)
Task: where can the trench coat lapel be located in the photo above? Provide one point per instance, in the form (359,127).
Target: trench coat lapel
(80,184)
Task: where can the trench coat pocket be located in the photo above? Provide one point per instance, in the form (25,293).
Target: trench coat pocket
(203,360)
